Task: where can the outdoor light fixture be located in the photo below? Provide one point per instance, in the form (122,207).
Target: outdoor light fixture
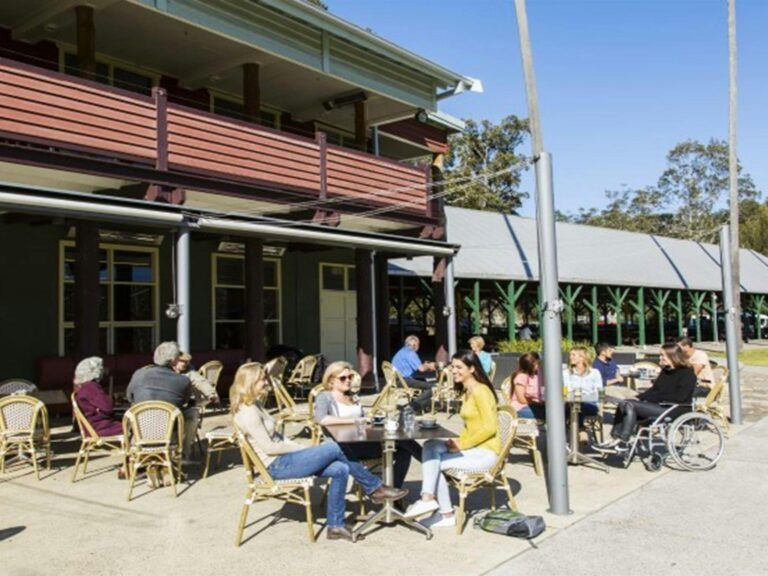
(447,311)
(421,116)
(173,311)
(344,100)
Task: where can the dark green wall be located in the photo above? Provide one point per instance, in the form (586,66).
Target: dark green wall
(28,297)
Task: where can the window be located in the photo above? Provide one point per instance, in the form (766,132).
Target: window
(339,277)
(113,74)
(128,302)
(234,109)
(229,301)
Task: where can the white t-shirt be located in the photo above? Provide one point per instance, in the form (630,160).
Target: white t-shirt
(589,383)
(348,410)
(706,376)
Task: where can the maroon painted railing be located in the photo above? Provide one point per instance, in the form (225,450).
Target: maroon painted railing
(72,114)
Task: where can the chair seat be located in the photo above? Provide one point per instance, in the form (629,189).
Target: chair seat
(527,427)
(154,449)
(118,438)
(459,474)
(221,433)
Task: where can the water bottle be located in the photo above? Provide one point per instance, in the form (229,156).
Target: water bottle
(409,420)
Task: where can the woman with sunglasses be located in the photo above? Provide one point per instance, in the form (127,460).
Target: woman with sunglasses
(339,405)
(286,459)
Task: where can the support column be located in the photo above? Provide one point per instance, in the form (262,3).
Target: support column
(639,307)
(183,324)
(732,335)
(450,303)
(365,306)
(715,328)
(252,92)
(401,309)
(383,345)
(618,298)
(474,305)
(509,299)
(569,296)
(660,298)
(677,306)
(86,42)
(361,136)
(254,300)
(757,303)
(87,293)
(594,312)
(697,299)
(438,301)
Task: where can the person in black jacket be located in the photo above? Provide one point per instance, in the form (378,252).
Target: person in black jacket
(675,385)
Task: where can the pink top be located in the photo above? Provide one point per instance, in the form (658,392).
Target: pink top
(531,390)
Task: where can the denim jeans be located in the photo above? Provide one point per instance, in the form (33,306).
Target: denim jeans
(437,458)
(326,460)
(525,412)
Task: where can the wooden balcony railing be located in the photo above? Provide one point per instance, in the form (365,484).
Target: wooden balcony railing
(74,115)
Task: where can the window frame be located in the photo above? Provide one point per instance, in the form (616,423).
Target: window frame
(215,94)
(110,324)
(111,63)
(215,257)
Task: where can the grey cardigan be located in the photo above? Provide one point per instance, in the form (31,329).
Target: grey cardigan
(325,406)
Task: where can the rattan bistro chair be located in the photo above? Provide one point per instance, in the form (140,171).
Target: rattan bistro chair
(24,430)
(154,436)
(301,376)
(527,433)
(92,443)
(467,481)
(261,486)
(393,377)
(444,392)
(16,385)
(220,439)
(712,405)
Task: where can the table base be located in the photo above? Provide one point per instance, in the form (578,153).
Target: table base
(389,515)
(577,458)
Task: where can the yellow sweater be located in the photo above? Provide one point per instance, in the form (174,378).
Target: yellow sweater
(481,428)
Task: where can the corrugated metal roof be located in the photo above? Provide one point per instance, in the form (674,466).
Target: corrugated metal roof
(501,247)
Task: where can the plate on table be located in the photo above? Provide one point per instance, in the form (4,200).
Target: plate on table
(427,425)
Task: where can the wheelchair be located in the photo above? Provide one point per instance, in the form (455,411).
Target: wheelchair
(690,438)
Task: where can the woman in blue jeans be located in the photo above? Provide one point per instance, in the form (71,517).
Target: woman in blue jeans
(287,459)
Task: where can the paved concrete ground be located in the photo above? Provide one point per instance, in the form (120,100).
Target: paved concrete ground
(55,527)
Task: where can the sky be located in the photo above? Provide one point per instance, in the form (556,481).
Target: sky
(620,82)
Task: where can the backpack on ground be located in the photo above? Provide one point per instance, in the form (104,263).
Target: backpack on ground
(511,523)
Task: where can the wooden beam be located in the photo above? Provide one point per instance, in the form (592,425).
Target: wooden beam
(86,42)
(87,290)
(254,299)
(252,92)
(366,310)
(361,131)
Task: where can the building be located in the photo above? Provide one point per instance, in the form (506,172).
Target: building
(618,286)
(233,175)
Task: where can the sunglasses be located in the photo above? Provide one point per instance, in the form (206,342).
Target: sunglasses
(344,378)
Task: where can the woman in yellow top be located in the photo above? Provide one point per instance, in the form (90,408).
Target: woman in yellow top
(477,448)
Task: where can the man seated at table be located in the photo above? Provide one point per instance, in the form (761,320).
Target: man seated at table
(699,361)
(161,381)
(613,381)
(408,363)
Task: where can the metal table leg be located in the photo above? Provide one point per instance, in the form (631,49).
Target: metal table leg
(574,456)
(388,513)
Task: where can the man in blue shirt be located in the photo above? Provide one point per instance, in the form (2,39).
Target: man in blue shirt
(606,365)
(408,363)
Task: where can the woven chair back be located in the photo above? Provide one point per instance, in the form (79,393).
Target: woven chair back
(86,430)
(153,423)
(392,376)
(312,397)
(254,467)
(506,390)
(15,386)
(276,367)
(211,371)
(19,414)
(507,428)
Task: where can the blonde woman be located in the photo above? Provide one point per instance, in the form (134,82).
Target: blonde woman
(338,405)
(581,376)
(287,459)
(477,447)
(477,345)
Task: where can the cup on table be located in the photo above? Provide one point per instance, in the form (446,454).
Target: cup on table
(391,425)
(360,427)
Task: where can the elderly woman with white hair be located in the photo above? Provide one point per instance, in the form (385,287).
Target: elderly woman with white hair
(93,401)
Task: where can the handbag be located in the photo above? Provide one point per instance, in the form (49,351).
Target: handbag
(510,523)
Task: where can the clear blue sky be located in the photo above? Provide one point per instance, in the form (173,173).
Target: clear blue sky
(620,81)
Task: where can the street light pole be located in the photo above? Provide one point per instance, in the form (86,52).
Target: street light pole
(557,465)
(733,170)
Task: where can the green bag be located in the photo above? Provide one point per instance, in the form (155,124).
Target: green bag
(510,523)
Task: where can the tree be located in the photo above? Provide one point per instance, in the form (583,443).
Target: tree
(687,202)
(754,226)
(483,167)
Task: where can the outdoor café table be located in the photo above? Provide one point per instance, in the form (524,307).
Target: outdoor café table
(574,400)
(348,434)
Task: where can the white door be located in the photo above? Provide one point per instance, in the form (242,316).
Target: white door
(338,312)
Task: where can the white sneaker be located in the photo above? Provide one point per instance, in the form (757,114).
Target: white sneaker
(437,520)
(421,508)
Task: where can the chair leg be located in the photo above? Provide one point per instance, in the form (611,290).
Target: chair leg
(243,519)
(77,462)
(132,465)
(460,515)
(48,456)
(85,463)
(33,453)
(492,490)
(360,499)
(511,502)
(310,520)
(537,464)
(207,462)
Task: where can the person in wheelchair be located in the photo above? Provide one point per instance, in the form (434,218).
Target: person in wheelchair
(675,385)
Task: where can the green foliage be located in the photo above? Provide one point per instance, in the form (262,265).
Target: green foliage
(687,201)
(753,229)
(522,346)
(483,167)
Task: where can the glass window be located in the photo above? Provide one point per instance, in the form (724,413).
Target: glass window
(333,277)
(229,301)
(236,110)
(133,81)
(72,67)
(127,302)
(351,279)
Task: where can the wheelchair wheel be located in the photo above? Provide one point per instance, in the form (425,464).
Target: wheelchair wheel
(654,462)
(695,441)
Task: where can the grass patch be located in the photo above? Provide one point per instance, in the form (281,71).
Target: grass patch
(757,357)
